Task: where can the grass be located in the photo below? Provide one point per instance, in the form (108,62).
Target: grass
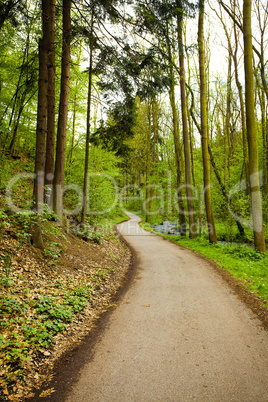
(243,262)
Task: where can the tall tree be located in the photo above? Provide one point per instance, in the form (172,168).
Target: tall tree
(41,123)
(63,111)
(187,159)
(176,137)
(204,125)
(256,205)
(49,165)
(90,70)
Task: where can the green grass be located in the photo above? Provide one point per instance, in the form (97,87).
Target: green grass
(243,262)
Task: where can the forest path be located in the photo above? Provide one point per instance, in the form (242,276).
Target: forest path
(178,334)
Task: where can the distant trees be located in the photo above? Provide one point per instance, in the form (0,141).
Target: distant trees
(147,92)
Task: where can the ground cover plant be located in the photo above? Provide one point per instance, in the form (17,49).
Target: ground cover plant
(48,300)
(49,297)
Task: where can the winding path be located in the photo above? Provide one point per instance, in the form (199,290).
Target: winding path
(178,334)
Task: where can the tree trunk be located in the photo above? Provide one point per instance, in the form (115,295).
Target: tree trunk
(204,126)
(41,126)
(63,112)
(16,126)
(187,159)
(84,207)
(70,156)
(50,143)
(176,143)
(256,205)
(148,162)
(242,108)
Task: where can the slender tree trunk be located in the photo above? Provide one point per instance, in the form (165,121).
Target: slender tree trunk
(204,126)
(187,159)
(70,156)
(148,161)
(50,143)
(16,126)
(63,112)
(242,109)
(256,204)
(41,126)
(266,155)
(261,95)
(84,207)
(176,143)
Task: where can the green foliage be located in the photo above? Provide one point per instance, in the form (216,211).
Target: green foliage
(240,251)
(11,306)
(87,232)
(16,351)
(53,252)
(39,319)
(5,281)
(100,274)
(3,219)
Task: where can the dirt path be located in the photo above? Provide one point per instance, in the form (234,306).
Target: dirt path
(178,334)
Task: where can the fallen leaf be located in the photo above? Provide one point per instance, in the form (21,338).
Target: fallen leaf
(47,392)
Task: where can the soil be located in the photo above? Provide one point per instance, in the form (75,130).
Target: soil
(79,262)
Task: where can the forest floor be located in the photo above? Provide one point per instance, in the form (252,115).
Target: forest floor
(40,295)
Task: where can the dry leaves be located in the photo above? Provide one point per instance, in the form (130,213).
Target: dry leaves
(29,283)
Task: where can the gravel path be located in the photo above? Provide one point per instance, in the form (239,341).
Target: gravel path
(178,334)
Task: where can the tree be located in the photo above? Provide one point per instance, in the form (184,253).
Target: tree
(50,141)
(188,175)
(256,206)
(90,72)
(63,111)
(204,126)
(176,138)
(41,124)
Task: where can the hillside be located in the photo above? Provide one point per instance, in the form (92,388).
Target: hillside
(50,300)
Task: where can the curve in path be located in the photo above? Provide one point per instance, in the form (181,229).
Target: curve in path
(178,334)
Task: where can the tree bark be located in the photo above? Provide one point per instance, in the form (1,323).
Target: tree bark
(84,207)
(176,143)
(256,204)
(187,159)
(204,126)
(148,161)
(63,112)
(41,125)
(50,143)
